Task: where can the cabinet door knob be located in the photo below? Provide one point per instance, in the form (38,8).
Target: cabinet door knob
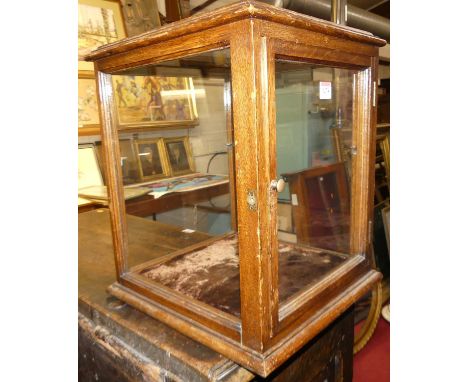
(278,185)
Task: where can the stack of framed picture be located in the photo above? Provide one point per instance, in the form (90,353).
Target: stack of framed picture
(144,160)
(163,157)
(144,102)
(99,22)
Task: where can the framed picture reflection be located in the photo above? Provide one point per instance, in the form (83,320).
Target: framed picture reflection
(151,159)
(179,155)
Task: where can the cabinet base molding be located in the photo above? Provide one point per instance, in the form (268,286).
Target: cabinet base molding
(260,363)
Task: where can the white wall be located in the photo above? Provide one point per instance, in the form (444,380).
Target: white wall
(210,136)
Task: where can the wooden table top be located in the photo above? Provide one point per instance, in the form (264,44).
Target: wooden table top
(147,205)
(161,344)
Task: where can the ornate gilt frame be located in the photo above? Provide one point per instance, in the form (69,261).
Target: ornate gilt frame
(89,128)
(158,142)
(188,152)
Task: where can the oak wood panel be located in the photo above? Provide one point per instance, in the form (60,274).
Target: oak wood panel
(167,50)
(229,14)
(262,364)
(253,263)
(322,56)
(194,310)
(317,41)
(111,148)
(266,196)
(268,128)
(361,185)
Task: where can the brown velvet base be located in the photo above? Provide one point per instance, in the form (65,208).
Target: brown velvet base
(211,274)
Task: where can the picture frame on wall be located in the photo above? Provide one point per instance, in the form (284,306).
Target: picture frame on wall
(128,161)
(151,159)
(154,101)
(179,155)
(88,110)
(100,22)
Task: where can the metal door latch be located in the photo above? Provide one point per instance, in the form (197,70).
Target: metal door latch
(251,200)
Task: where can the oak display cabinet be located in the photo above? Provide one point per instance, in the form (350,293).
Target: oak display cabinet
(283,93)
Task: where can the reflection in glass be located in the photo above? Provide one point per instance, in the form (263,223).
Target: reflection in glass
(187,164)
(314,121)
(162,98)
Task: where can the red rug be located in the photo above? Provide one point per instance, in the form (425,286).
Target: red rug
(372,363)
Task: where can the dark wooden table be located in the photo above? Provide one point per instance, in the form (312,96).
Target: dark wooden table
(147,205)
(119,343)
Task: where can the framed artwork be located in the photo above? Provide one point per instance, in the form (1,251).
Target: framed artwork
(154,101)
(320,206)
(179,155)
(88,110)
(151,159)
(99,22)
(128,161)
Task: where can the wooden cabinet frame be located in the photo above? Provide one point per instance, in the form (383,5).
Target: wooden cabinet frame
(266,334)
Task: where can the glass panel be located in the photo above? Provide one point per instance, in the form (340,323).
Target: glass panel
(314,117)
(175,138)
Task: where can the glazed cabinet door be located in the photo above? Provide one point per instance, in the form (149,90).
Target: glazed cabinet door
(185,250)
(319,145)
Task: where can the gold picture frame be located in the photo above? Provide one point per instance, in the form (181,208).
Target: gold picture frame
(179,155)
(99,22)
(151,159)
(152,101)
(88,108)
